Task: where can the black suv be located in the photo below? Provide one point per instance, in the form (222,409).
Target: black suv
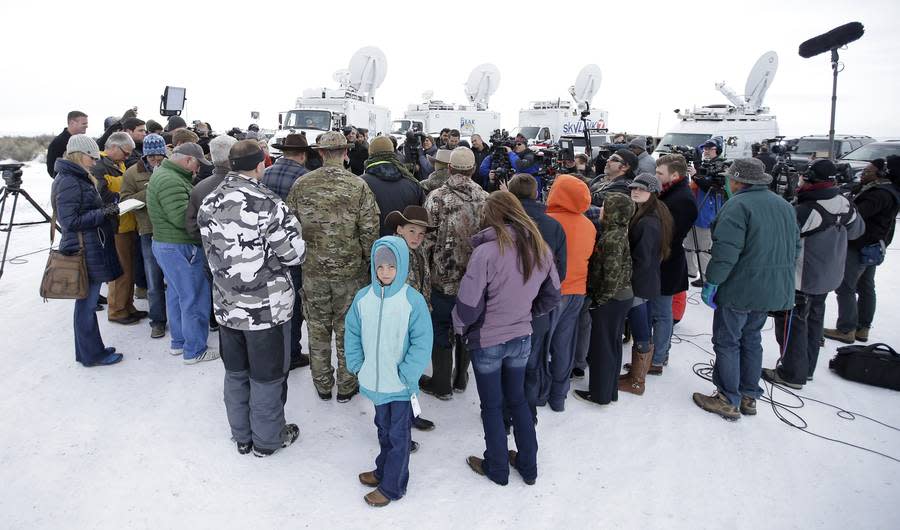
(808,145)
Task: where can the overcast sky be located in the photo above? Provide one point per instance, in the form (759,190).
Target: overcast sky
(104,57)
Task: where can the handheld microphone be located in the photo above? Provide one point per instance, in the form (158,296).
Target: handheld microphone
(835,38)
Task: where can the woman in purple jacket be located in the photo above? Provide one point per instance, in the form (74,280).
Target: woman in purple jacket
(509,278)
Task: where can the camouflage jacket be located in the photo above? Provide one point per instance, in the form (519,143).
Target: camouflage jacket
(250,239)
(455,209)
(340,220)
(419,276)
(435,180)
(609,268)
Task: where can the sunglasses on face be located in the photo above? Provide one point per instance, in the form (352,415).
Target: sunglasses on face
(615,159)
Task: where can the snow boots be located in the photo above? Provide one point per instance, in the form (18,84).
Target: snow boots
(289,435)
(717,404)
(840,336)
(439,384)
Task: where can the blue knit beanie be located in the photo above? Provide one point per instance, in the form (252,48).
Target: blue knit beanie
(154,145)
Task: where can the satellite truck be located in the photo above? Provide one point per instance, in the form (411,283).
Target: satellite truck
(353,103)
(544,122)
(431,116)
(740,124)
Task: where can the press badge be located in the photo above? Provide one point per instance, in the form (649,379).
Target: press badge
(414,401)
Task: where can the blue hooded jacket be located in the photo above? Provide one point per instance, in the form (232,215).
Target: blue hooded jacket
(388,333)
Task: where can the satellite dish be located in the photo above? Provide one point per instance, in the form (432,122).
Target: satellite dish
(482,83)
(342,77)
(760,78)
(586,84)
(368,67)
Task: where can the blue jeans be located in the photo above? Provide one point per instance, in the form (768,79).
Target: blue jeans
(737,341)
(639,318)
(156,288)
(661,318)
(89,347)
(394,421)
(562,347)
(500,376)
(187,296)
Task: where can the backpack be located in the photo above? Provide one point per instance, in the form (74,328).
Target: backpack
(875,364)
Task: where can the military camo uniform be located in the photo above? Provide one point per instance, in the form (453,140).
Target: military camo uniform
(250,239)
(419,277)
(340,220)
(455,209)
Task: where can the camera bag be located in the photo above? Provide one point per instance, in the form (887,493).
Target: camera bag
(876,364)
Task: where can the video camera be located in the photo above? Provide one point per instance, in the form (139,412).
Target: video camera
(500,165)
(688,152)
(12,174)
(785,178)
(712,173)
(411,145)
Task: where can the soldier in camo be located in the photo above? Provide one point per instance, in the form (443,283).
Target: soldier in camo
(251,239)
(456,210)
(340,220)
(441,171)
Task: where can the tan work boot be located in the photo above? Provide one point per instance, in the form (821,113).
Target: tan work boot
(368,479)
(748,406)
(717,404)
(640,364)
(376,499)
(840,336)
(862,334)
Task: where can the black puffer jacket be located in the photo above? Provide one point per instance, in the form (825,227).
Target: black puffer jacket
(392,190)
(79,209)
(878,204)
(643,237)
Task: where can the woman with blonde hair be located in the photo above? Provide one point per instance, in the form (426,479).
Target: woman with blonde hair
(510,277)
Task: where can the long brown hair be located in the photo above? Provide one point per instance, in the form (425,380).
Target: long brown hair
(503,210)
(666,223)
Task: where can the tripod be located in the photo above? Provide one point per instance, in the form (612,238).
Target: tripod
(13,189)
(716,192)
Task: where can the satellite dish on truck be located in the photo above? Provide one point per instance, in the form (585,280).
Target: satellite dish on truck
(586,85)
(368,68)
(759,80)
(482,83)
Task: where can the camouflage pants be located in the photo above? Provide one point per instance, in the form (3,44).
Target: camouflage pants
(325,304)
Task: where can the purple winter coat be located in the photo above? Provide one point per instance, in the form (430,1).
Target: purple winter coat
(495,303)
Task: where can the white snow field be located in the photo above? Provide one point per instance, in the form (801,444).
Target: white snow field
(145,443)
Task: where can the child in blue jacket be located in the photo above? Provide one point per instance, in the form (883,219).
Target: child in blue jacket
(387,343)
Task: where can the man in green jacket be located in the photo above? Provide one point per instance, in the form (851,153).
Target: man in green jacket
(756,241)
(179,254)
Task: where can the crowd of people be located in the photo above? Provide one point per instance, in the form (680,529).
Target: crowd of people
(404,267)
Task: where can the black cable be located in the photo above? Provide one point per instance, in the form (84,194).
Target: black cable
(704,370)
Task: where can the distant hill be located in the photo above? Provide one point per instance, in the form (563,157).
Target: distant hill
(24,148)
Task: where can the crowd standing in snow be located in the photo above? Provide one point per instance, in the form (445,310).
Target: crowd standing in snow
(406,258)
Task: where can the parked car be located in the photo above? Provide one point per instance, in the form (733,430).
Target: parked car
(860,158)
(817,145)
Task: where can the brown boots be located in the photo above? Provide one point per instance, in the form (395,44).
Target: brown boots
(633,382)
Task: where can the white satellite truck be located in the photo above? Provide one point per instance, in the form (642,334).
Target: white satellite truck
(740,124)
(353,103)
(544,122)
(431,116)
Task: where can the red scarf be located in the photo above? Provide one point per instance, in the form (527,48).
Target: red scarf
(675,181)
(813,186)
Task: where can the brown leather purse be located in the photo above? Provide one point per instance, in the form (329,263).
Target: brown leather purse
(65,277)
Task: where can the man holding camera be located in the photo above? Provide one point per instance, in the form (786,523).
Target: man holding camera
(827,221)
(709,193)
(519,157)
(751,272)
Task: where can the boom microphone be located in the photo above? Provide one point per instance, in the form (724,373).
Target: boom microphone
(835,38)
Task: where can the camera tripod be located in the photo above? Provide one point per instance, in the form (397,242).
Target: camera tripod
(14,189)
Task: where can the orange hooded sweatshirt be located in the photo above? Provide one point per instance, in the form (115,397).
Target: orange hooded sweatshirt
(569,199)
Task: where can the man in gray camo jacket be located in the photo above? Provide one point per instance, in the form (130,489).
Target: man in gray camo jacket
(251,239)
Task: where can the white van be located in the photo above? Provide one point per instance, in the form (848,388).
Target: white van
(738,130)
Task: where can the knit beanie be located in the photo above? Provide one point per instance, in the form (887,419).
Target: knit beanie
(82,143)
(385,256)
(154,144)
(381,144)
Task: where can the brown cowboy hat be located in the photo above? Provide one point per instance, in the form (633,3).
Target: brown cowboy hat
(411,215)
(292,142)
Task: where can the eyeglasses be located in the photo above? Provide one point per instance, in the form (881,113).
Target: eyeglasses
(124,152)
(519,143)
(615,159)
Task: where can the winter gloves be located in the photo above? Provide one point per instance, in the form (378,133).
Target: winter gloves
(708,294)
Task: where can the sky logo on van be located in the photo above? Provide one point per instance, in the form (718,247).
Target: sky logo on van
(577,127)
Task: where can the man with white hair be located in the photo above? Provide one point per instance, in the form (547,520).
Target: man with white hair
(179,254)
(109,172)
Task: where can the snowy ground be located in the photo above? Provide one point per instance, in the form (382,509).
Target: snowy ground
(145,444)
